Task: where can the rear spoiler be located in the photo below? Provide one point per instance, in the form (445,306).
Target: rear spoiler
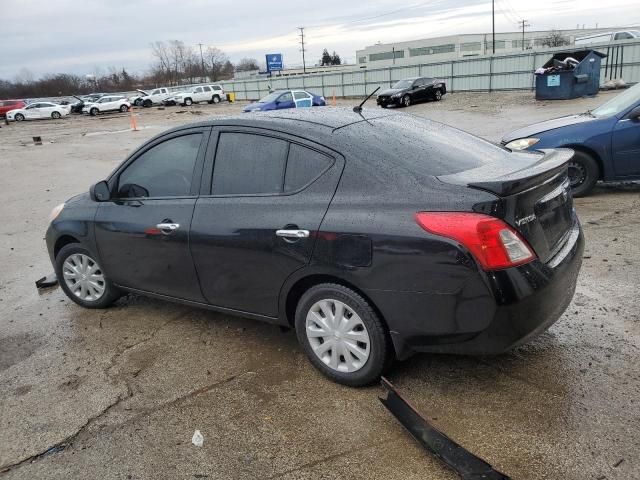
(493,178)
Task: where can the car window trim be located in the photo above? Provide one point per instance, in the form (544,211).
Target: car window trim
(114,178)
(207,175)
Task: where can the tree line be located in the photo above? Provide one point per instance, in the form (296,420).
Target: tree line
(174,63)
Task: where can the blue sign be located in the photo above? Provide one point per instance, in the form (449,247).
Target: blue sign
(553,81)
(274,62)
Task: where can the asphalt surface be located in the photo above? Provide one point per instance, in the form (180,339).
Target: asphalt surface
(118,393)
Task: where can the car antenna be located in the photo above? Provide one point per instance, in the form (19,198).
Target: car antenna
(358,109)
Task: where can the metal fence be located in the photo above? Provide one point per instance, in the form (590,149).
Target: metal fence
(500,72)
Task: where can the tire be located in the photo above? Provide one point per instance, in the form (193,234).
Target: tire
(88,294)
(18,117)
(55,115)
(406,100)
(188,102)
(138,102)
(375,350)
(124,108)
(147,103)
(215,99)
(437,96)
(583,173)
(93,112)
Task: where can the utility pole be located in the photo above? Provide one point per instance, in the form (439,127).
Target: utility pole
(202,60)
(493,26)
(304,65)
(523,23)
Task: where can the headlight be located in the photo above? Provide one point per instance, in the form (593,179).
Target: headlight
(55,212)
(396,95)
(522,143)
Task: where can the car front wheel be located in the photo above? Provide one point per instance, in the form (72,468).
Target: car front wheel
(406,100)
(82,279)
(342,335)
(188,102)
(93,112)
(55,115)
(18,117)
(583,173)
(438,95)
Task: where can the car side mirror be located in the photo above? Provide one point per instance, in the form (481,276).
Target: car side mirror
(99,192)
(635,113)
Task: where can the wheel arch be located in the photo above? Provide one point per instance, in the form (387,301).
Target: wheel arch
(591,152)
(63,241)
(303,284)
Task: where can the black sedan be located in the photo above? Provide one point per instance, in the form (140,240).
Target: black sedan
(412,90)
(374,235)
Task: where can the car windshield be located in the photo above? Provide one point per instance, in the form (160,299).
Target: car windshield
(272,97)
(619,103)
(403,84)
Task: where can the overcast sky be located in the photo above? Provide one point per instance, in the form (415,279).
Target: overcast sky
(88,36)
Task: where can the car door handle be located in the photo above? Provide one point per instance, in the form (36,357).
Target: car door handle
(168,228)
(292,233)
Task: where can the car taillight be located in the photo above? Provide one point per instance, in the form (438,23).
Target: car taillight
(493,243)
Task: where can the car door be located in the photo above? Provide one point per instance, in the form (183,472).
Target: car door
(197,95)
(268,195)
(625,146)
(32,111)
(420,90)
(46,109)
(285,101)
(207,93)
(143,232)
(302,99)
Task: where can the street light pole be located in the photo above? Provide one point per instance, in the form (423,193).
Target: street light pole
(493,26)
(202,60)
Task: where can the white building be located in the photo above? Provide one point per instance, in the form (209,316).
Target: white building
(461,46)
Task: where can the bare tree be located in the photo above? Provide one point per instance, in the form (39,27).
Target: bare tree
(162,68)
(216,60)
(24,76)
(247,64)
(555,39)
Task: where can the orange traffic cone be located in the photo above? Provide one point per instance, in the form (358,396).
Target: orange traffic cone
(134,127)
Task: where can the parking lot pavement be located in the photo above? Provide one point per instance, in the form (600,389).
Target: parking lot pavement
(118,393)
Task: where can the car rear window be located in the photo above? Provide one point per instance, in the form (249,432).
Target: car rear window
(421,146)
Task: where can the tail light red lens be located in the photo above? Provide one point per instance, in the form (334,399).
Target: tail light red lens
(493,243)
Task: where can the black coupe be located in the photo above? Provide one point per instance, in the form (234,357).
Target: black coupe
(412,90)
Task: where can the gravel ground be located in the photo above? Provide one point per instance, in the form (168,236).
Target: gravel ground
(118,393)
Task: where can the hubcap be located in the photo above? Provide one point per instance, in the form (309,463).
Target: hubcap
(84,277)
(337,336)
(577,174)
(407,101)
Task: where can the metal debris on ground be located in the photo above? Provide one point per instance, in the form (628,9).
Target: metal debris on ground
(37,140)
(50,280)
(462,461)
(197,439)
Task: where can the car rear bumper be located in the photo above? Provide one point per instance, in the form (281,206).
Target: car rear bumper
(507,308)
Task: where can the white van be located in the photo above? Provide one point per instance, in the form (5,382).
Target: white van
(607,37)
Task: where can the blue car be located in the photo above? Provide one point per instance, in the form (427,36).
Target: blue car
(606,141)
(280,99)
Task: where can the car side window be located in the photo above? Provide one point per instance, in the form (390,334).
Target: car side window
(206,89)
(198,90)
(303,165)
(165,170)
(285,97)
(300,95)
(248,164)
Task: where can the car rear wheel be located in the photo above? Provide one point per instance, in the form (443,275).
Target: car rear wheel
(93,112)
(583,173)
(123,108)
(406,100)
(438,95)
(215,99)
(82,279)
(55,115)
(19,117)
(188,102)
(342,335)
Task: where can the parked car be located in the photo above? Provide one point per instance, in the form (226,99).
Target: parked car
(281,99)
(202,93)
(154,97)
(39,110)
(108,103)
(606,37)
(606,141)
(137,98)
(6,105)
(294,217)
(412,90)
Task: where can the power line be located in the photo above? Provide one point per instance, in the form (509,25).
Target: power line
(304,65)
(524,24)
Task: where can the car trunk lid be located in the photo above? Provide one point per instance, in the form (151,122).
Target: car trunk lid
(533,195)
